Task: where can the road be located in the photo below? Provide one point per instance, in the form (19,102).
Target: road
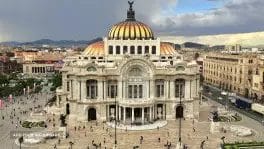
(214,93)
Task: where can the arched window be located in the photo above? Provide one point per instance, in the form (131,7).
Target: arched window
(135,83)
(110,50)
(124,49)
(180,68)
(112,88)
(153,49)
(159,84)
(91,68)
(117,49)
(179,87)
(132,49)
(139,50)
(91,89)
(146,49)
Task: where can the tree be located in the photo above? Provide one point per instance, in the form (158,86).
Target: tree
(4,81)
(56,81)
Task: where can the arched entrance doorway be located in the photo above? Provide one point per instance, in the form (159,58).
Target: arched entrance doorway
(67,109)
(91,114)
(179,112)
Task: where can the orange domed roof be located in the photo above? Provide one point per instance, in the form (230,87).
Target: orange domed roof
(95,49)
(166,49)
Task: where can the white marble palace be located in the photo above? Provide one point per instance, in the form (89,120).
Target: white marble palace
(130,74)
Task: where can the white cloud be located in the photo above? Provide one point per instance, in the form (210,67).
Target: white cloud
(235,16)
(85,19)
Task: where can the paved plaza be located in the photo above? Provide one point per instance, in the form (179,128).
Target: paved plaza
(83,135)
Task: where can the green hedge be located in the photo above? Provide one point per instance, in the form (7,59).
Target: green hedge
(238,145)
(27,124)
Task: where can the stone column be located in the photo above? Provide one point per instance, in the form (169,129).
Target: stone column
(84,90)
(152,88)
(119,118)
(76,89)
(143,115)
(105,89)
(100,89)
(172,89)
(119,89)
(187,89)
(124,114)
(146,90)
(163,111)
(150,113)
(193,88)
(116,112)
(166,89)
(133,118)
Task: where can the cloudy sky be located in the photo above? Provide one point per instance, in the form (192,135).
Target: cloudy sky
(26,20)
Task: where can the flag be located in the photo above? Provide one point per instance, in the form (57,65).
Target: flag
(1,103)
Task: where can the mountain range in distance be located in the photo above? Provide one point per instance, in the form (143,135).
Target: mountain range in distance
(56,43)
(254,39)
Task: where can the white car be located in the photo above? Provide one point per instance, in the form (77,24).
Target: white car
(220,98)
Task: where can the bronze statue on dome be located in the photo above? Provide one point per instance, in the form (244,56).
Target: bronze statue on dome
(130,4)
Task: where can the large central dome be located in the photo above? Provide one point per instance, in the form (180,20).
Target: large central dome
(130,29)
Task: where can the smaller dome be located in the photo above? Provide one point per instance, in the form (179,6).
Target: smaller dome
(166,49)
(95,49)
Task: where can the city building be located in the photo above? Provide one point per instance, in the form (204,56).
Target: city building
(131,74)
(42,63)
(258,82)
(7,65)
(230,72)
(233,48)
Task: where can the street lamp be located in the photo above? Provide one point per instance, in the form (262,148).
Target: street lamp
(115,117)
(180,94)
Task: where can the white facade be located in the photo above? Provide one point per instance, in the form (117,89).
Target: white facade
(138,86)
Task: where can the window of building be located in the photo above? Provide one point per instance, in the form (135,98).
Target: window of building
(153,50)
(257,72)
(117,49)
(146,49)
(130,89)
(135,91)
(110,50)
(249,72)
(132,50)
(140,95)
(139,50)
(159,84)
(124,49)
(112,88)
(179,87)
(68,86)
(91,86)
